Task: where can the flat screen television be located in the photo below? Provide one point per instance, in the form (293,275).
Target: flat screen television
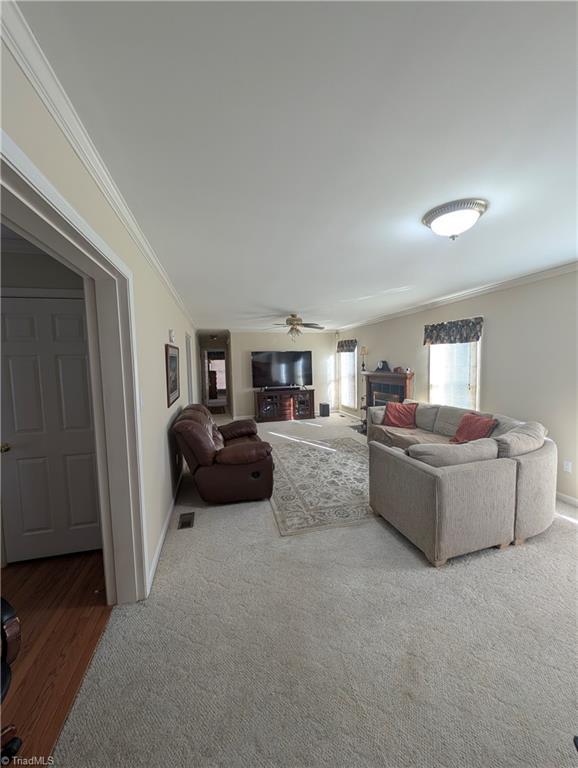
(281,369)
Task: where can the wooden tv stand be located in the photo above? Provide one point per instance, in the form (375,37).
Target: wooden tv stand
(284,404)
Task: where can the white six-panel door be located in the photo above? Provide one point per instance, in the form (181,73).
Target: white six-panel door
(49,484)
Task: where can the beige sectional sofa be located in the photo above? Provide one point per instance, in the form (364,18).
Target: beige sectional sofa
(451,499)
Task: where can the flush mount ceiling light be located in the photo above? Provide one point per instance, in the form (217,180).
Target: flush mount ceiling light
(455,217)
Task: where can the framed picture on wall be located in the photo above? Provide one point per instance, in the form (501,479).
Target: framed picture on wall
(173,376)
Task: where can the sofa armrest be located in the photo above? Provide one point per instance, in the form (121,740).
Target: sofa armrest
(446,511)
(245,453)
(241,428)
(475,506)
(403,491)
(536,490)
(387,453)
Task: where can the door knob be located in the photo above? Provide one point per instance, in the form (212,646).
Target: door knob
(5,447)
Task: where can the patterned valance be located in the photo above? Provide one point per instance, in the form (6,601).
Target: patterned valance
(347,345)
(454,332)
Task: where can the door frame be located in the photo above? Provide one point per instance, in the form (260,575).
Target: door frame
(189,356)
(33,208)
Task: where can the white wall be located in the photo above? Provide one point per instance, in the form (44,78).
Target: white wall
(528,365)
(321,344)
(30,125)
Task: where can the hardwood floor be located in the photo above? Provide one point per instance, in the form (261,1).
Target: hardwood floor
(62,607)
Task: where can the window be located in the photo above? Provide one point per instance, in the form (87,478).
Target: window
(454,374)
(348,379)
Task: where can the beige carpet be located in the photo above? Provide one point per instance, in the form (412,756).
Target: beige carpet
(341,649)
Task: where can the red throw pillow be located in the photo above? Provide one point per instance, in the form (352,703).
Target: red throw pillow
(472,426)
(400,415)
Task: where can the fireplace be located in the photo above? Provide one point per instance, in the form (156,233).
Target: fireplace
(381,398)
(382,388)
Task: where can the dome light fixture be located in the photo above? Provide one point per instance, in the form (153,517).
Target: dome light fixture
(455,217)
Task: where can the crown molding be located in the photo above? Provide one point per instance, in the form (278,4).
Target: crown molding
(20,41)
(504,285)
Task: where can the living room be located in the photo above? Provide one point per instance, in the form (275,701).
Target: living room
(290,395)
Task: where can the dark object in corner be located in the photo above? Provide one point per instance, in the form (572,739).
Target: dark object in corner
(324,409)
(186,520)
(10,648)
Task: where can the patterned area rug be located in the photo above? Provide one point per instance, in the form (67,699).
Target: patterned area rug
(320,485)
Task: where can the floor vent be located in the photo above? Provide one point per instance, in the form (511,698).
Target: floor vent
(186,520)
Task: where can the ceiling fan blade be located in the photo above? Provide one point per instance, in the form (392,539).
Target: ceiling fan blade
(283,324)
(314,325)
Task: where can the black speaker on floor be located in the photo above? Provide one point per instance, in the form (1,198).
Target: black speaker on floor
(324,409)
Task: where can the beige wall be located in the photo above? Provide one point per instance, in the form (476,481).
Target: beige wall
(322,346)
(36,270)
(528,366)
(29,124)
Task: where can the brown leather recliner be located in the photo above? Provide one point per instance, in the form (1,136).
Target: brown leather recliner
(229,463)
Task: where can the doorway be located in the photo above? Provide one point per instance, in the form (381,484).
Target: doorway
(215,368)
(189,354)
(33,209)
(53,574)
(49,487)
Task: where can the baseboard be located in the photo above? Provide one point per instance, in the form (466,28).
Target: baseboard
(341,412)
(572,500)
(162,537)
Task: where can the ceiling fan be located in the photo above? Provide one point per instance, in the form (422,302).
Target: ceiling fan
(294,323)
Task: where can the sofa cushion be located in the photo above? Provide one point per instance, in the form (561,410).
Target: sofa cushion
(398,437)
(239,428)
(425,416)
(473,426)
(448,418)
(522,439)
(197,433)
(505,424)
(243,440)
(447,455)
(245,453)
(376,414)
(400,415)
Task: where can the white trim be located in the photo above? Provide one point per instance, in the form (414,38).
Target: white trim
(20,41)
(354,414)
(96,388)
(572,500)
(162,537)
(532,277)
(189,363)
(42,293)
(33,208)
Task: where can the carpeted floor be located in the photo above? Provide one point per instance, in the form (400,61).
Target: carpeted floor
(342,648)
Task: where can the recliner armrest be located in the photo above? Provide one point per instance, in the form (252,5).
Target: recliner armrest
(242,428)
(246,453)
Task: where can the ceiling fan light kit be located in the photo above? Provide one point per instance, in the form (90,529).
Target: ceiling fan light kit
(453,218)
(296,323)
(294,331)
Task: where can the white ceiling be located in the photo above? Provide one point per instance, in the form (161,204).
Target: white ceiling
(279,156)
